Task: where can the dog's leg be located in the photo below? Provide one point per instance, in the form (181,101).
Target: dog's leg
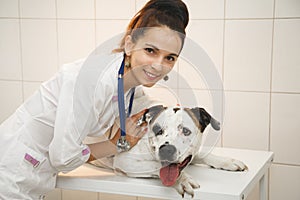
(185,184)
(220,162)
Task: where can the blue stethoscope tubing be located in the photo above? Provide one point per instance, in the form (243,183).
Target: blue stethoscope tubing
(121,103)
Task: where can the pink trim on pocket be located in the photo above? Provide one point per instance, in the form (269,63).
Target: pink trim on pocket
(31,160)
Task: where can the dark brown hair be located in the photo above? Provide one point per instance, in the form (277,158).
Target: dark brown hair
(158,13)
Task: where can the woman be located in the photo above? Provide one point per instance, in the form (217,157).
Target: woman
(45,135)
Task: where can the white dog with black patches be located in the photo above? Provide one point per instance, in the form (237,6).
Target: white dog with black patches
(172,143)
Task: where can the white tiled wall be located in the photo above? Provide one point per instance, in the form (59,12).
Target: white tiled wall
(247,55)
(38,48)
(254,44)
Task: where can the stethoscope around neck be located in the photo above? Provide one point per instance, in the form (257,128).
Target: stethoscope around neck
(122,143)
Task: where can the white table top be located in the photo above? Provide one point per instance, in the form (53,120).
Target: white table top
(214,184)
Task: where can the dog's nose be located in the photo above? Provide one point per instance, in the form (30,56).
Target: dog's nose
(167,152)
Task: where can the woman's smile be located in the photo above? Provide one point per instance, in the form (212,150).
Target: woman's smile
(151,76)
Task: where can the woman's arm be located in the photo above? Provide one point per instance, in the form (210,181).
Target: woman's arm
(109,147)
(102,149)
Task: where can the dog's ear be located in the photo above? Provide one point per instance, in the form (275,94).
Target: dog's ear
(204,119)
(153,112)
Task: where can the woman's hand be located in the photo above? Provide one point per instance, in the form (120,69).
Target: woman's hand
(134,132)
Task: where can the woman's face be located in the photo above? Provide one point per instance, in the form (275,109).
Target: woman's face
(153,55)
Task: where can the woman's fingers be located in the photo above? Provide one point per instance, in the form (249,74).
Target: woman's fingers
(138,115)
(133,125)
(134,130)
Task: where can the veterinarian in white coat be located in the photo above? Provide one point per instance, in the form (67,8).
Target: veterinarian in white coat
(45,135)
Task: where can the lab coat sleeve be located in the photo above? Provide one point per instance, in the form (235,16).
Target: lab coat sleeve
(66,150)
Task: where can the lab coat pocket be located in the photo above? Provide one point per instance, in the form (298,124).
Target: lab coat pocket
(32,159)
(29,163)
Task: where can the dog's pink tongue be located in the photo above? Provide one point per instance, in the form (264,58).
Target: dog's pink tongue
(169,174)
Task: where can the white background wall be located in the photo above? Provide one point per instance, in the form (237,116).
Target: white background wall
(255,45)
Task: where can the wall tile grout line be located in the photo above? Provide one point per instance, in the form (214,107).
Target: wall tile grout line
(286,164)
(271,78)
(57,40)
(270,97)
(95,25)
(21,53)
(223,69)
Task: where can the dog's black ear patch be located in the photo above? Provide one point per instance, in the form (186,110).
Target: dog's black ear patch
(204,118)
(154,111)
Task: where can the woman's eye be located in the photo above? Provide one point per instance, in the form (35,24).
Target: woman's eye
(157,130)
(149,50)
(171,58)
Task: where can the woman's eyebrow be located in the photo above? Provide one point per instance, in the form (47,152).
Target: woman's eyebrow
(154,47)
(157,49)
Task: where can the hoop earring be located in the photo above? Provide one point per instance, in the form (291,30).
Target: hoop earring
(127,61)
(127,64)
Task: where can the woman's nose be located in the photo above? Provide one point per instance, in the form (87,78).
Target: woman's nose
(158,64)
(157,67)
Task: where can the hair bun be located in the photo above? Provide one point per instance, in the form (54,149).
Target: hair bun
(156,13)
(171,7)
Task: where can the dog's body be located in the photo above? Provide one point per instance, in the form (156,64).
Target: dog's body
(172,142)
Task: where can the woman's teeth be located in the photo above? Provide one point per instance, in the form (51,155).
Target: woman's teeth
(150,75)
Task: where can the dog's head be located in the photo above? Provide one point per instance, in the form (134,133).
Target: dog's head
(175,135)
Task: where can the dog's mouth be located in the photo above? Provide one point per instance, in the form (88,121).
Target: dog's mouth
(169,173)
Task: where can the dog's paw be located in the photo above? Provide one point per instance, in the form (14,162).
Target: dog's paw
(225,163)
(240,166)
(234,165)
(186,184)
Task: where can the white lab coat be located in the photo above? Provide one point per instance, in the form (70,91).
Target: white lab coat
(43,138)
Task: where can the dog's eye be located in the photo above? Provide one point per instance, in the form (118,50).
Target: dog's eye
(157,130)
(186,131)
